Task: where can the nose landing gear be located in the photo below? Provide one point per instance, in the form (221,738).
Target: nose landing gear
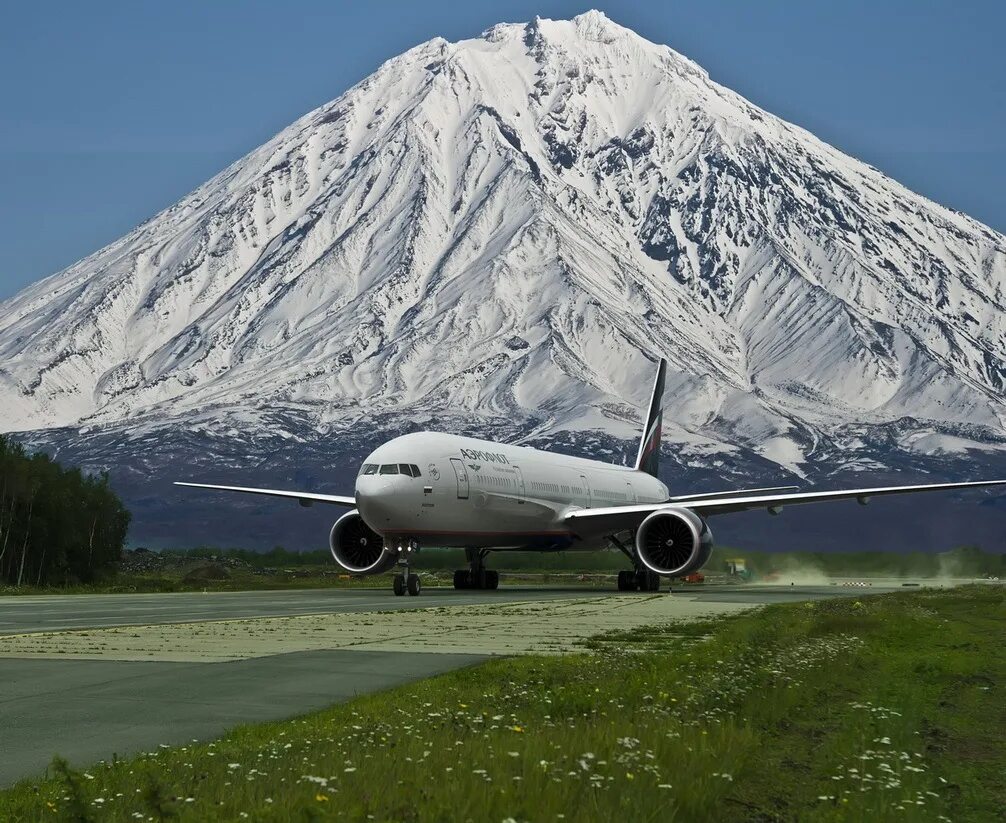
(407,581)
(476,576)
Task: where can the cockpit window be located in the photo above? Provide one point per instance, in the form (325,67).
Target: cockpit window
(415,470)
(389,468)
(405,468)
(369,468)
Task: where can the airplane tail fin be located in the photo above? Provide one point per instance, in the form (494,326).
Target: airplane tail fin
(648,458)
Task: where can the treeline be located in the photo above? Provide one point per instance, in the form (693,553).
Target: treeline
(430,558)
(965,561)
(57,526)
(277,557)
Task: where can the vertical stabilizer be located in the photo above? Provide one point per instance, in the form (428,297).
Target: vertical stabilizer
(648,458)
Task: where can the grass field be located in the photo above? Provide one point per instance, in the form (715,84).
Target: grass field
(282,569)
(885,708)
(302,577)
(172,580)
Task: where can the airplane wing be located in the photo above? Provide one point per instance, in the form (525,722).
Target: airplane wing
(688,498)
(304,498)
(619,518)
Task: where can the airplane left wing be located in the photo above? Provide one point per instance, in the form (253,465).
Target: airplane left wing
(688,498)
(620,518)
(777,501)
(304,498)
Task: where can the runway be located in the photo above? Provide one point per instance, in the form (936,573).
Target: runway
(85,611)
(87,676)
(88,710)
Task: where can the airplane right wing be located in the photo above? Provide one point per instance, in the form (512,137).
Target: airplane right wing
(304,498)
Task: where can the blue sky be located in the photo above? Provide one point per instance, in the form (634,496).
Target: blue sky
(110,111)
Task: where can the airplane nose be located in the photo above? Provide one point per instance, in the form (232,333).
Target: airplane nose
(374,500)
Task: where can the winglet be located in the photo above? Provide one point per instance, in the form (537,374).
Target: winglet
(648,457)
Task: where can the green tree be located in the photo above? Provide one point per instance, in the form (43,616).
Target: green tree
(57,525)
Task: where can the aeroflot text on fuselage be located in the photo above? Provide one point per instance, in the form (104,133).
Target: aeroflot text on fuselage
(485,457)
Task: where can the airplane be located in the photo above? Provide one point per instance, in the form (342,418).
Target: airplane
(442,490)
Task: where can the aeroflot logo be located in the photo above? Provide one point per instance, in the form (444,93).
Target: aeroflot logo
(485,457)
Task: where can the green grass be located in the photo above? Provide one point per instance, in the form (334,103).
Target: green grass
(171,580)
(304,577)
(963,561)
(884,708)
(284,569)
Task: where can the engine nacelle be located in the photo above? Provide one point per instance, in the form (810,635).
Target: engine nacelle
(357,547)
(673,542)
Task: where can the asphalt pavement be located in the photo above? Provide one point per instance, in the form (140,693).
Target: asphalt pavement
(58,612)
(55,612)
(88,710)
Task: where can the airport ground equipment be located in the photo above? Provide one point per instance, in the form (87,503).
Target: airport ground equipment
(738,567)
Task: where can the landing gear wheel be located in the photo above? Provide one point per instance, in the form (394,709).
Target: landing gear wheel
(398,585)
(647,581)
(626,581)
(414,585)
(476,576)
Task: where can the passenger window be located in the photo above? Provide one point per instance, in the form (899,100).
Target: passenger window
(389,468)
(415,470)
(369,468)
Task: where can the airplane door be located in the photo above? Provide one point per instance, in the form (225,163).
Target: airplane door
(586,489)
(462,474)
(520,484)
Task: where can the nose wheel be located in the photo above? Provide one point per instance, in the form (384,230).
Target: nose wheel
(411,584)
(406,580)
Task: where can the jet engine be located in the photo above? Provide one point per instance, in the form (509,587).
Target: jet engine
(357,547)
(673,542)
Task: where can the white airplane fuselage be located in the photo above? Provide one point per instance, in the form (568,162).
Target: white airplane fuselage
(480,494)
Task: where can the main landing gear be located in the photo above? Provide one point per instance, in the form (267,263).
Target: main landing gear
(476,576)
(407,581)
(640,579)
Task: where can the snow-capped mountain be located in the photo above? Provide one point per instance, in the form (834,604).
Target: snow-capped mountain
(499,235)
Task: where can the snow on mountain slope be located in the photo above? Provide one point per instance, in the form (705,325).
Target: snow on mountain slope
(507,229)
